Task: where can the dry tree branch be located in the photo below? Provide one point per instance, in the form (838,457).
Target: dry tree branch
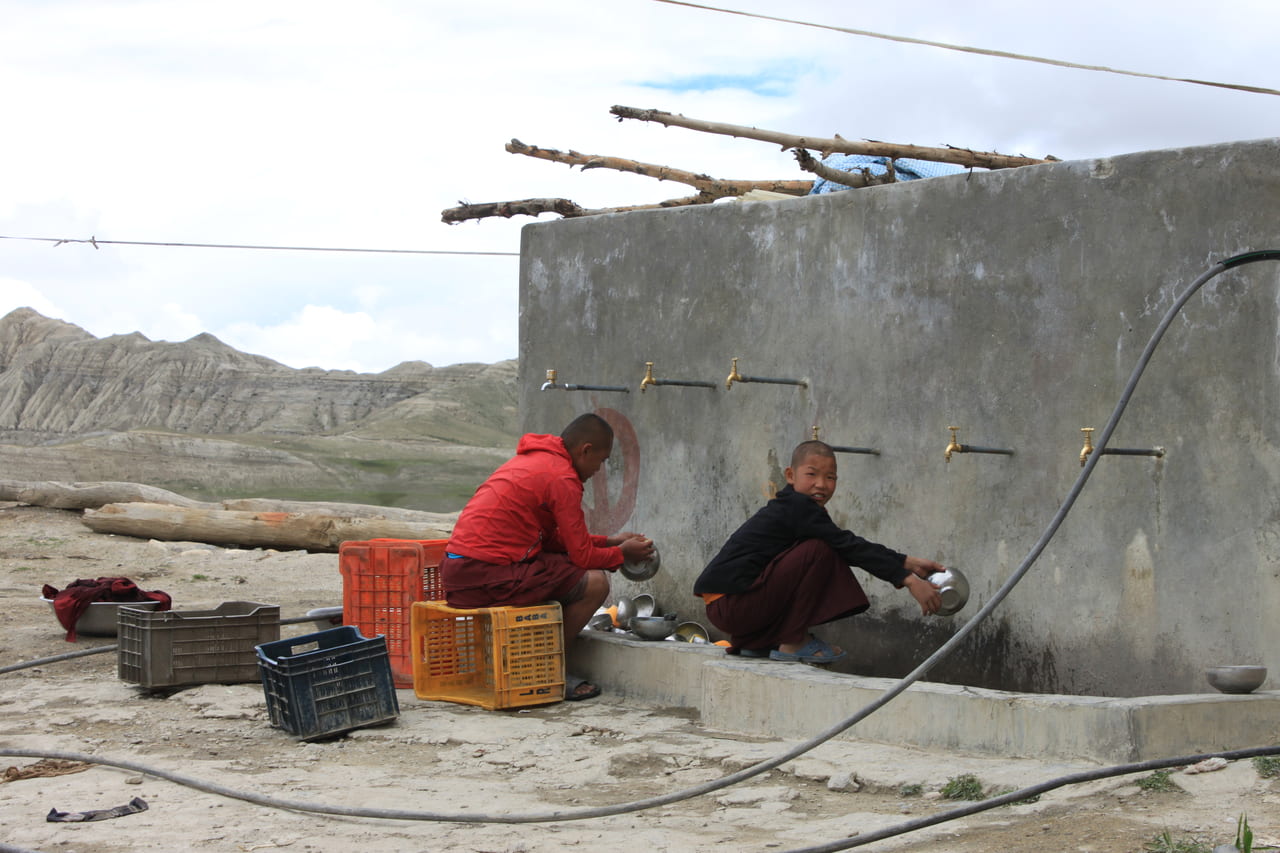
(703,183)
(563,206)
(859,178)
(837,144)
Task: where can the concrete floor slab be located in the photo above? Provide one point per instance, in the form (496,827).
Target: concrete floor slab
(781,700)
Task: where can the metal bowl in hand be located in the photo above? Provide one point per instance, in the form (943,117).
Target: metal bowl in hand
(953,588)
(642,570)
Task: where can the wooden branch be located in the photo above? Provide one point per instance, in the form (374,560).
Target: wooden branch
(837,144)
(719,188)
(280,530)
(524,207)
(563,206)
(860,178)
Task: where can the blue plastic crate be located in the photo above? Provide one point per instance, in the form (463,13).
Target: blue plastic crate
(323,684)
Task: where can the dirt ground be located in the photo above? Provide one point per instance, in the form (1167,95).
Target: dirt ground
(454,760)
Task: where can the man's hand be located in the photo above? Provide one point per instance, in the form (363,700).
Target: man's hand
(617,539)
(636,548)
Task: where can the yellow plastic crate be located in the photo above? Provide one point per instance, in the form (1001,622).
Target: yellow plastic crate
(494,657)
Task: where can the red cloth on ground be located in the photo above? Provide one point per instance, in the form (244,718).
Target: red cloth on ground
(71,603)
(808,584)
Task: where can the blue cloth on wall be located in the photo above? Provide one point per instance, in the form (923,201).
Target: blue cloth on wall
(907,169)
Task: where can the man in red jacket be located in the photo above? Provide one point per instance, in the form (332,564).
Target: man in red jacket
(522,539)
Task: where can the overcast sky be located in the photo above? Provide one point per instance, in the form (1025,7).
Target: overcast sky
(316,123)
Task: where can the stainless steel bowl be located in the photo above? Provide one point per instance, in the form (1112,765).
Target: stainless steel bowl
(653,627)
(692,632)
(1236,679)
(602,621)
(953,587)
(643,569)
(644,604)
(622,612)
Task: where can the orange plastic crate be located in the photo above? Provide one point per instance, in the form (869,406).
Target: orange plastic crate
(494,657)
(381,579)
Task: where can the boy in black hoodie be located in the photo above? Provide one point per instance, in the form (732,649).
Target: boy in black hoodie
(787,569)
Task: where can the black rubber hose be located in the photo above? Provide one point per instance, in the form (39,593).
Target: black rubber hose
(829,733)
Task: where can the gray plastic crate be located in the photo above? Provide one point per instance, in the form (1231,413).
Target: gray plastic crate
(172,648)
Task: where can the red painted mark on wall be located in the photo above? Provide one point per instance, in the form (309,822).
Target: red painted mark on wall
(612,504)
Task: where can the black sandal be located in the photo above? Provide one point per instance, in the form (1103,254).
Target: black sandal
(571,694)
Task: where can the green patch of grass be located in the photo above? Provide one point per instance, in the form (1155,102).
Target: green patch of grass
(911,790)
(24,568)
(1034,798)
(1158,783)
(1268,766)
(965,787)
(45,541)
(1166,843)
(200,577)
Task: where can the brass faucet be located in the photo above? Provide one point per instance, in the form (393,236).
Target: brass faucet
(955,446)
(734,376)
(551,381)
(648,376)
(1088,445)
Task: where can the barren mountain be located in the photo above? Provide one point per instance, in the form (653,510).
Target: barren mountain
(204,419)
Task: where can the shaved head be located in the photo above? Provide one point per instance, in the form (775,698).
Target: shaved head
(811,448)
(587,429)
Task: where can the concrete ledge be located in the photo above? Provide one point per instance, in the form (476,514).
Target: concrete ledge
(792,701)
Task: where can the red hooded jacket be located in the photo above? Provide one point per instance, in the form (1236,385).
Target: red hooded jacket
(532,503)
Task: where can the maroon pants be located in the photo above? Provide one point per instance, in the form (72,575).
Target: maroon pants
(546,577)
(806,585)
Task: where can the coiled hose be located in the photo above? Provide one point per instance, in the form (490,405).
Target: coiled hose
(761,767)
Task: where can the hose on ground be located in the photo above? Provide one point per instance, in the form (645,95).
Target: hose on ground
(761,767)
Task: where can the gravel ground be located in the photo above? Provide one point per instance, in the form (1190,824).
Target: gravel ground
(456,761)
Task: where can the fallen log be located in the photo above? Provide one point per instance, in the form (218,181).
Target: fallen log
(443,520)
(283,531)
(58,495)
(836,144)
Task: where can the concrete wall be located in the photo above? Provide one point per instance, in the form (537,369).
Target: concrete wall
(1013,304)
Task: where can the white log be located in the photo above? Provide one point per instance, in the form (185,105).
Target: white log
(279,530)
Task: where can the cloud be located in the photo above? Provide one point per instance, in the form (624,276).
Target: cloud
(21,294)
(324,124)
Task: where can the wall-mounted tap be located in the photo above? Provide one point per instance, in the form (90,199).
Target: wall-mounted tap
(648,376)
(956,447)
(838,448)
(735,376)
(552,385)
(1088,445)
(1114,451)
(649,380)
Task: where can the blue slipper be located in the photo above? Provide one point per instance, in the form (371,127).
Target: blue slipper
(815,651)
(753,653)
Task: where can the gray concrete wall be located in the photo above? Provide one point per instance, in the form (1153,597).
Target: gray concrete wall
(1013,304)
